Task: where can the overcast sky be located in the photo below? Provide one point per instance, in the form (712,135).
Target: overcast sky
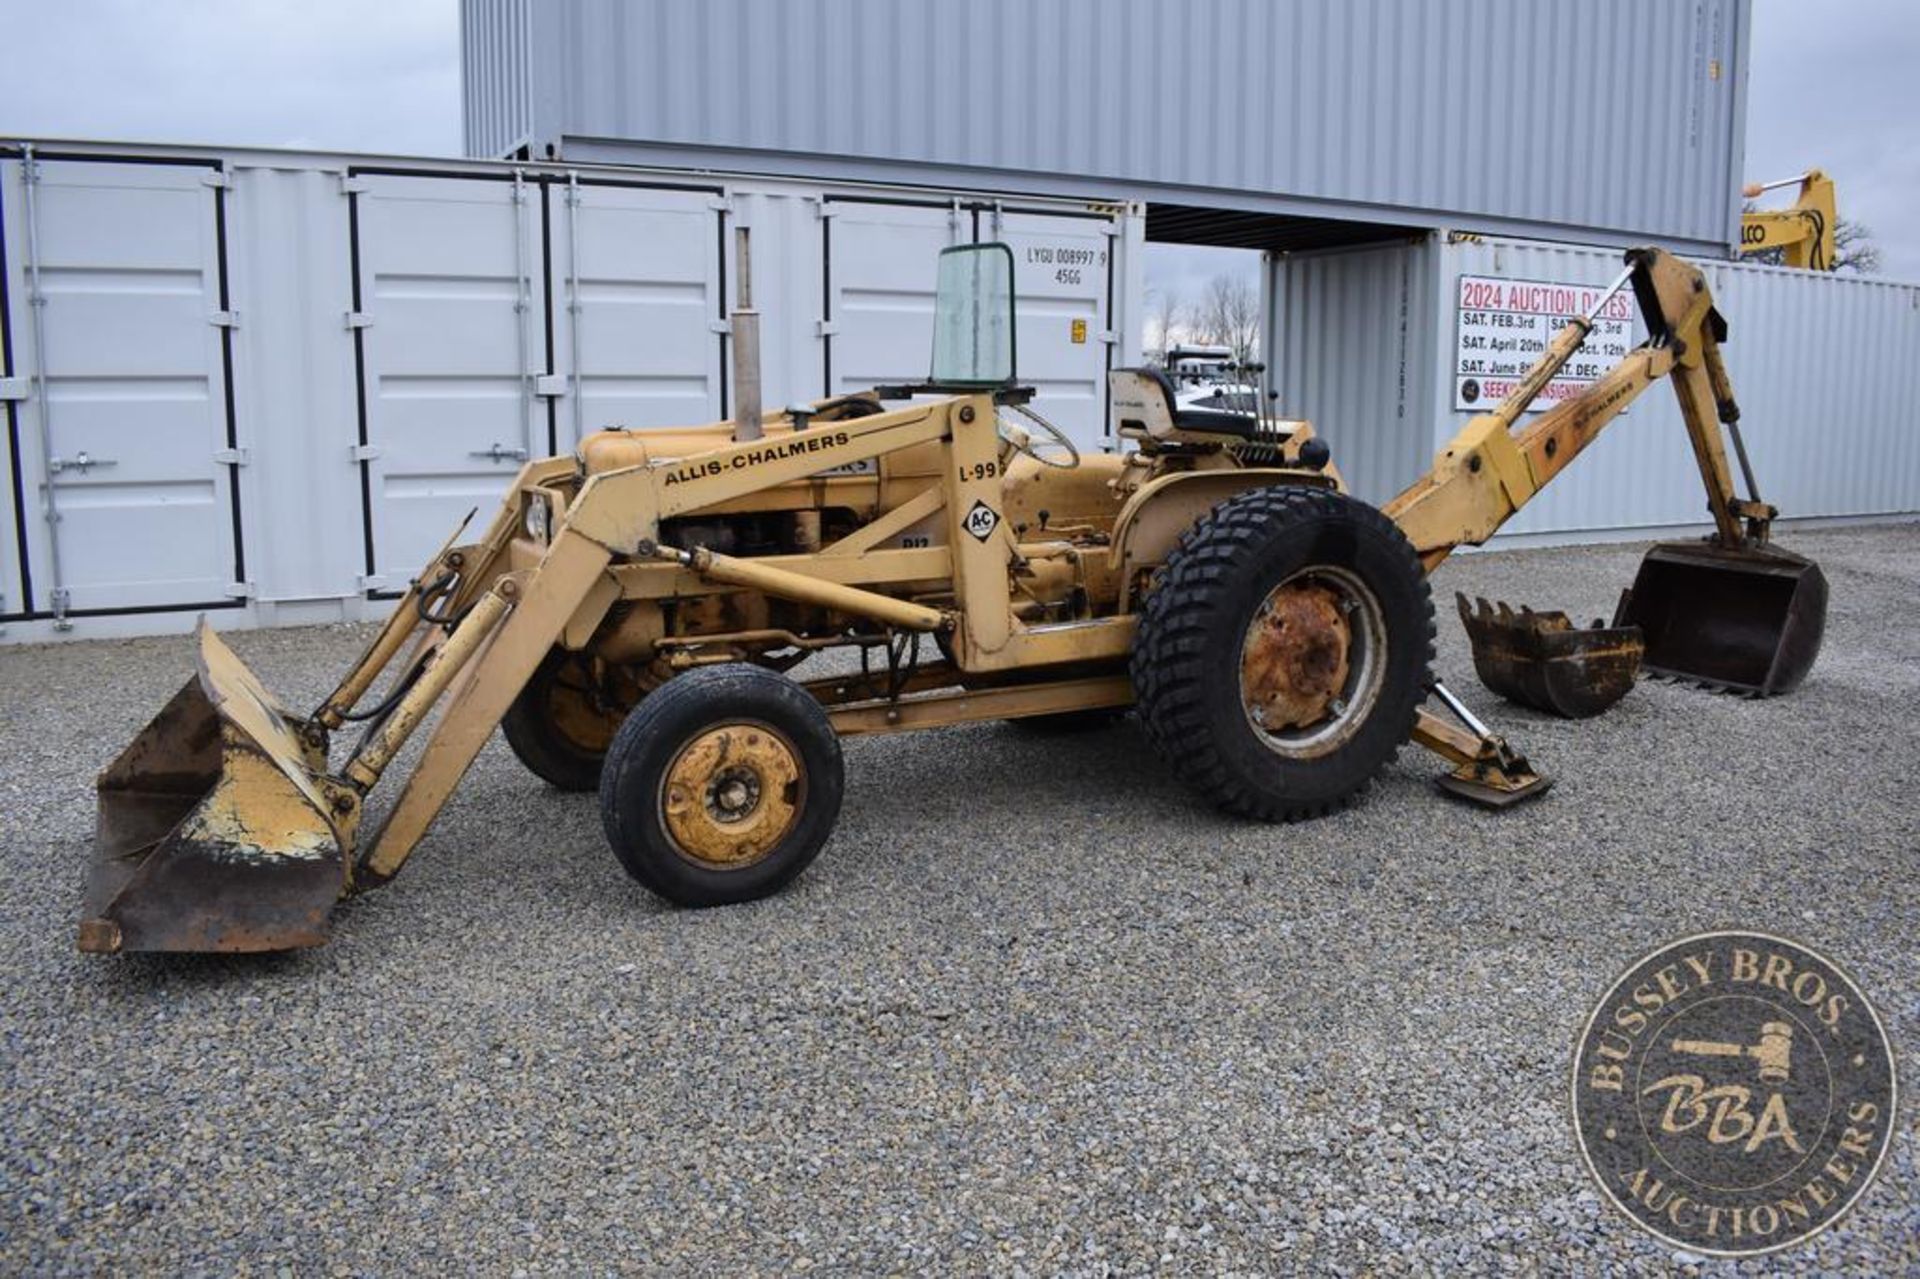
(1832,85)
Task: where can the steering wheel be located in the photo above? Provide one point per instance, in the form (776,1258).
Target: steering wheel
(1022,442)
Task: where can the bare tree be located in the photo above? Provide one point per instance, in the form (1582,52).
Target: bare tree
(1228,314)
(1163,323)
(1854,249)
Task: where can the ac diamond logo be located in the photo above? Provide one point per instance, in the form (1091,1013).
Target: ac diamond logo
(981,521)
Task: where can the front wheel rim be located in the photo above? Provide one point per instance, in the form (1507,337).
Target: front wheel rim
(731,794)
(1313,662)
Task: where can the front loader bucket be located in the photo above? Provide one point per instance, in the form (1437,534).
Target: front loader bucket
(1543,660)
(217,830)
(1747,619)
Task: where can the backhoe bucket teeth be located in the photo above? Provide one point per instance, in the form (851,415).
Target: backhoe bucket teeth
(217,830)
(1542,660)
(1747,620)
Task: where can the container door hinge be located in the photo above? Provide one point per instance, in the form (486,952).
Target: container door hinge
(231,457)
(363,452)
(14,388)
(224,319)
(825,328)
(720,203)
(219,178)
(827,210)
(359,320)
(372,581)
(352,184)
(240,590)
(720,326)
(551,385)
(1109,337)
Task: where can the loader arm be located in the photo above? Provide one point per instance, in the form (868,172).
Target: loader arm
(1488,472)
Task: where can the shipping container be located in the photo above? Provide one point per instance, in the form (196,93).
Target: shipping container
(1553,119)
(264,386)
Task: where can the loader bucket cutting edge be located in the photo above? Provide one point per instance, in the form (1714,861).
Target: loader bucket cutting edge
(1748,620)
(217,829)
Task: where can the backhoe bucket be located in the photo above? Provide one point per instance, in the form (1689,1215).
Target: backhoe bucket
(217,830)
(1748,619)
(1543,660)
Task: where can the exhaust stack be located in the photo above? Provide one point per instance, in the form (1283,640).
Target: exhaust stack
(746,347)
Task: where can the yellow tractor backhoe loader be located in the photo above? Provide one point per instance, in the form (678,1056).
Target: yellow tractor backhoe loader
(1803,232)
(629,614)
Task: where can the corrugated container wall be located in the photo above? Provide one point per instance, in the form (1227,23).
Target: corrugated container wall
(1557,118)
(1352,352)
(496,91)
(1826,369)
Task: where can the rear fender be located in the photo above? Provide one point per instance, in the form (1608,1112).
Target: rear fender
(1150,524)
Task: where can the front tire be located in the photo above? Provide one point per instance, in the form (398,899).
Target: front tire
(722,786)
(1284,651)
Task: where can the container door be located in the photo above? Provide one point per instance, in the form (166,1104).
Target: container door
(452,329)
(1063,326)
(881,263)
(13,388)
(124,431)
(637,306)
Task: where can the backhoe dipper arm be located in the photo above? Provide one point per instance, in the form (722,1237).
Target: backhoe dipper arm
(1488,472)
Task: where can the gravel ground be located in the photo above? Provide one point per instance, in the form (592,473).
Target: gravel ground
(1032,1010)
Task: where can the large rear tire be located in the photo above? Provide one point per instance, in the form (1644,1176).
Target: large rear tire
(563,721)
(1284,651)
(722,785)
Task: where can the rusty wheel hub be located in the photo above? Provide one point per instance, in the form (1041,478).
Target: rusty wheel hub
(1310,665)
(732,794)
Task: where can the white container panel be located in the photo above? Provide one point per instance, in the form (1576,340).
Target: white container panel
(14,600)
(880,286)
(294,392)
(15,597)
(451,286)
(637,279)
(131,383)
(1063,321)
(789,287)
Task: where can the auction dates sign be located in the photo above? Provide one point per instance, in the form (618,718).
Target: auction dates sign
(1504,326)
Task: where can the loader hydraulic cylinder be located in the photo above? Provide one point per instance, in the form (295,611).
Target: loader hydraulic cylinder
(364,769)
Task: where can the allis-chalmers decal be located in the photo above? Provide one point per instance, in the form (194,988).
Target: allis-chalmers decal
(797,446)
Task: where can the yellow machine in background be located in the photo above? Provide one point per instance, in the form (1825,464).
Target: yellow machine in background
(1804,232)
(628,615)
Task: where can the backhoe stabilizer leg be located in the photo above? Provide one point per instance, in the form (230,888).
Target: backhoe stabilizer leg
(1486,770)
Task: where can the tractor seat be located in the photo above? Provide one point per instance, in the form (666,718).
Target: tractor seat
(1145,407)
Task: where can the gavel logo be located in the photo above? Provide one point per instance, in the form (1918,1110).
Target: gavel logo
(1774,1052)
(1733,1092)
